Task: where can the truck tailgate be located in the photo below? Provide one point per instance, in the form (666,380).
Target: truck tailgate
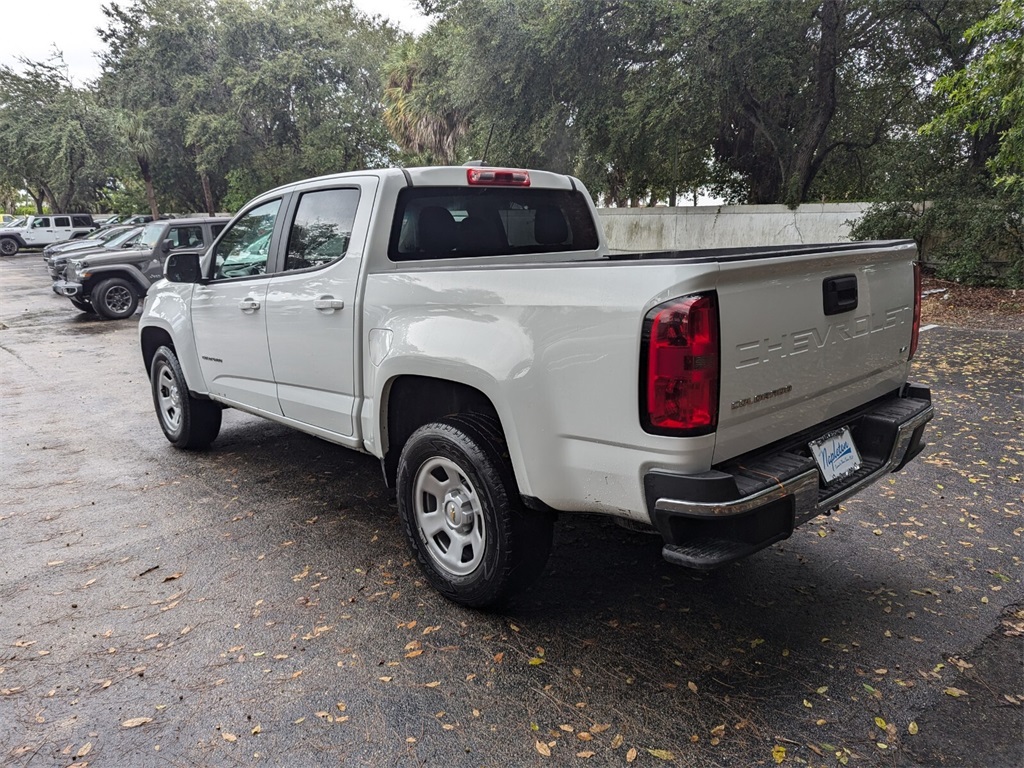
(809,336)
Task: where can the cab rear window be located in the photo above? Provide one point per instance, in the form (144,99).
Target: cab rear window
(460,222)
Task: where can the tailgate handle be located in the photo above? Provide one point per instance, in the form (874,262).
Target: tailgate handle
(839,294)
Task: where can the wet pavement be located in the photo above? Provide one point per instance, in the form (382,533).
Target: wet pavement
(255,604)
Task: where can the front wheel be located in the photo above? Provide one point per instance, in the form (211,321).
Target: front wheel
(8,246)
(474,540)
(115,298)
(187,421)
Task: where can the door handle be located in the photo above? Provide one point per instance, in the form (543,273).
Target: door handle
(328,304)
(248,305)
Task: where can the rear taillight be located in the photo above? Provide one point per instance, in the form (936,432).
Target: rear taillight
(916,331)
(680,367)
(498,177)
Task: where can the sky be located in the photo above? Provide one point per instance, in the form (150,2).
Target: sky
(70,25)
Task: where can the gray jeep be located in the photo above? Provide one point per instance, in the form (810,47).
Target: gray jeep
(112,283)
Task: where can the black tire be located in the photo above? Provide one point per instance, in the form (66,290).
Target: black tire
(484,546)
(115,298)
(8,246)
(82,306)
(187,422)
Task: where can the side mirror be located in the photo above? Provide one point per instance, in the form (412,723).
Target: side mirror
(166,246)
(183,268)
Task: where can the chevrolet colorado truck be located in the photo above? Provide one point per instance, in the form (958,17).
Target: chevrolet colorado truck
(470,328)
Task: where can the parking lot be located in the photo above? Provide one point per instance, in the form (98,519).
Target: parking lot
(255,604)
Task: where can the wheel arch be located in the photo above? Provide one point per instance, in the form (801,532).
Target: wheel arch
(151,338)
(410,401)
(125,272)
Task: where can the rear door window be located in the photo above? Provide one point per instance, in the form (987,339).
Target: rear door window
(62,221)
(322,228)
(456,222)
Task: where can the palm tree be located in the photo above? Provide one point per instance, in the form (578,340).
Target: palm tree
(419,116)
(142,146)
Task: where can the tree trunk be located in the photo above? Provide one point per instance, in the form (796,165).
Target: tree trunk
(147,177)
(207,193)
(803,168)
(37,199)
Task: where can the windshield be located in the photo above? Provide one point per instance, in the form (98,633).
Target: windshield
(151,234)
(107,235)
(124,239)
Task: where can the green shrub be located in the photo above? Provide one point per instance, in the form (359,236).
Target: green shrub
(974,240)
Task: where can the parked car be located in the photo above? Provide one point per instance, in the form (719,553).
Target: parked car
(121,238)
(40,231)
(6,220)
(471,329)
(94,239)
(111,283)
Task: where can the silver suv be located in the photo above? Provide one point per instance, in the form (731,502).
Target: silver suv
(111,284)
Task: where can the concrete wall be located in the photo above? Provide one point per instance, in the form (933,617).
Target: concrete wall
(709,226)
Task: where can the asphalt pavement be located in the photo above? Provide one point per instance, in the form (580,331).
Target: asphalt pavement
(255,604)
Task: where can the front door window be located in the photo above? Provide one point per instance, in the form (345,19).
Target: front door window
(244,248)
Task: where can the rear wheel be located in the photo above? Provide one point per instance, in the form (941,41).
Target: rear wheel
(187,421)
(115,298)
(8,246)
(473,538)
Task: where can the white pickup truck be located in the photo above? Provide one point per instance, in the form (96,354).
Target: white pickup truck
(469,327)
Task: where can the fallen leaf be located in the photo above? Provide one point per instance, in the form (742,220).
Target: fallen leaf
(956,693)
(414,654)
(585,754)
(617,741)
(600,728)
(912,728)
(631,755)
(499,657)
(86,748)
(257,730)
(536,661)
(584,736)
(692,686)
(778,754)
(136,721)
(543,748)
(661,754)
(880,723)
(174,576)
(566,728)
(229,737)
(433,684)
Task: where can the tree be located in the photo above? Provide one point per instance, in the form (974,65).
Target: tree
(986,97)
(54,137)
(142,146)
(766,100)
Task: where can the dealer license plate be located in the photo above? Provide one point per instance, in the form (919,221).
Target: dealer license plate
(836,455)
